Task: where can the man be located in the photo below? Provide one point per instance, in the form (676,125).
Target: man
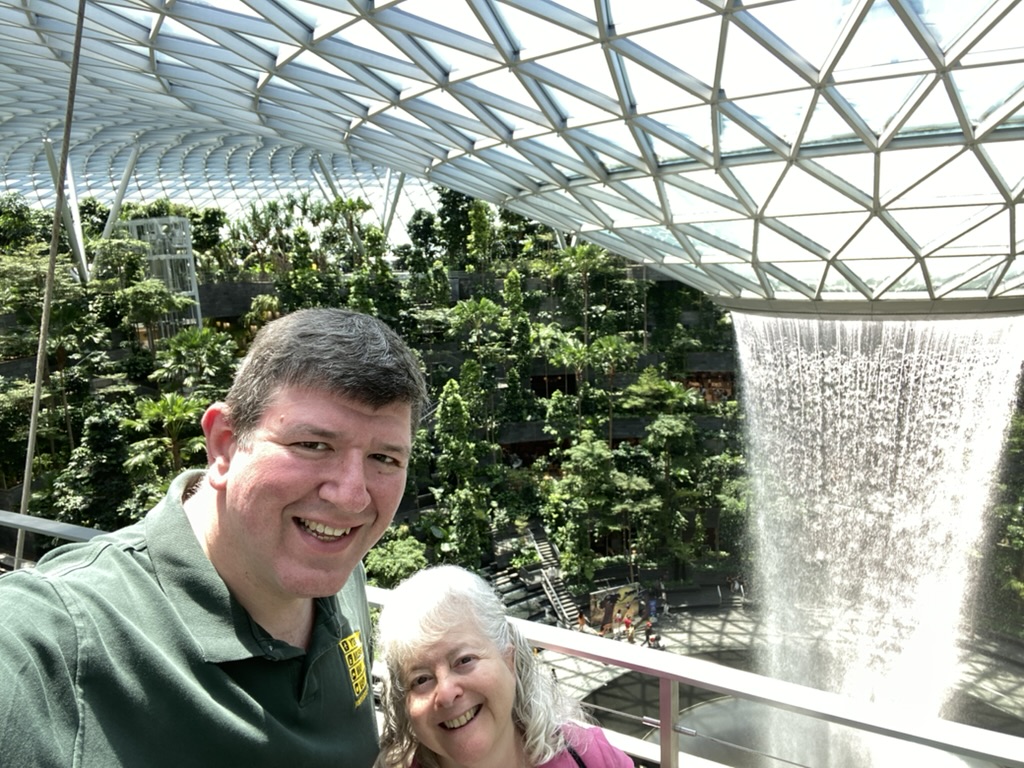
(230,626)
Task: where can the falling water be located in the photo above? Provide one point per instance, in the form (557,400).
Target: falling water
(872,447)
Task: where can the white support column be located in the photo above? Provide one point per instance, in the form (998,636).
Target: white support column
(115,207)
(337,196)
(392,202)
(72,219)
(328,177)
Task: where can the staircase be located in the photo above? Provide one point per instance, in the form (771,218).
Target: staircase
(551,577)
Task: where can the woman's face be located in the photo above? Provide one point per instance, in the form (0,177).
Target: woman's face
(459,701)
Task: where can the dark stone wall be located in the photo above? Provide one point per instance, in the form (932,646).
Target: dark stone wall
(229,300)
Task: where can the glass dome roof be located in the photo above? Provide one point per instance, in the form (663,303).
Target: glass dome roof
(786,154)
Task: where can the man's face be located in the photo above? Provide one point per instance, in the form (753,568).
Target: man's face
(316,486)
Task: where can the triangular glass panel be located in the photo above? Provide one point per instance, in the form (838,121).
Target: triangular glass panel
(876,101)
(759,180)
(620,216)
(712,254)
(693,123)
(685,206)
(461,64)
(826,124)
(1012,280)
(617,134)
(536,36)
(552,149)
(837,285)
(743,274)
(659,234)
(644,188)
(748,69)
(947,272)
(987,233)
(873,241)
(807,273)
(707,179)
(739,233)
(947,21)
(583,73)
(932,227)
(665,153)
(364,37)
(651,92)
(934,113)
(875,272)
(984,89)
(630,17)
(1007,157)
(782,114)
(880,40)
(856,169)
(911,285)
(579,112)
(801,193)
(1001,38)
(792,21)
(981,284)
(963,179)
(691,46)
(775,247)
(735,138)
(902,168)
(781,290)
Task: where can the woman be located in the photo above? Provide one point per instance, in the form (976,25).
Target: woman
(463,689)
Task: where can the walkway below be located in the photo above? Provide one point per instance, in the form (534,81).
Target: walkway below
(991,671)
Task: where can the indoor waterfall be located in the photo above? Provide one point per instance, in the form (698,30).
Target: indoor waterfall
(872,447)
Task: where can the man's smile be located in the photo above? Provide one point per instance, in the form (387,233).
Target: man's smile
(323,532)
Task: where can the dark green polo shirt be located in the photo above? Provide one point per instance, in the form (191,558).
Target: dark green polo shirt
(129,651)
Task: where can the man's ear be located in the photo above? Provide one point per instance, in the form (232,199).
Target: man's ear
(220,443)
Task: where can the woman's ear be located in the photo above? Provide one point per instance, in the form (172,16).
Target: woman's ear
(221,443)
(510,658)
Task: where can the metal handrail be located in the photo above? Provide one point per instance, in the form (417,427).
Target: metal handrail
(46,527)
(671,670)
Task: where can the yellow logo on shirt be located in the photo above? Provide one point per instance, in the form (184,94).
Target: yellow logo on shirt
(355,660)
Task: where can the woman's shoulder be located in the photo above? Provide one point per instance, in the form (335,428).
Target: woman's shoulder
(594,748)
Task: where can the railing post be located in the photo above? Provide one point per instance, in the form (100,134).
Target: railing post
(668,708)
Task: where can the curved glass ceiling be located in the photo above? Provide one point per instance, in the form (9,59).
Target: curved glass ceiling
(778,153)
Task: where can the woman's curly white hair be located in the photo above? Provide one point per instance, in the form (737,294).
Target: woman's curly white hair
(418,613)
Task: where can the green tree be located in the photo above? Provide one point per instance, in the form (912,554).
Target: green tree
(480,242)
(518,358)
(461,501)
(454,226)
(15,412)
(613,355)
(91,487)
(577,507)
(20,226)
(169,426)
(396,557)
(197,361)
(148,302)
(1004,599)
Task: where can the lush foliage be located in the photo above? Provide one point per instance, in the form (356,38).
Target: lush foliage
(515,334)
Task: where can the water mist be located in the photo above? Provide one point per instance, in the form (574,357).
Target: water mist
(872,448)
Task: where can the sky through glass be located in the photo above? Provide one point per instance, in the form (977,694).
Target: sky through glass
(802,151)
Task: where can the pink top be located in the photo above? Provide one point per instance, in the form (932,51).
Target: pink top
(592,747)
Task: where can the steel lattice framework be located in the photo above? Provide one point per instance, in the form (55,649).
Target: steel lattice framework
(864,154)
